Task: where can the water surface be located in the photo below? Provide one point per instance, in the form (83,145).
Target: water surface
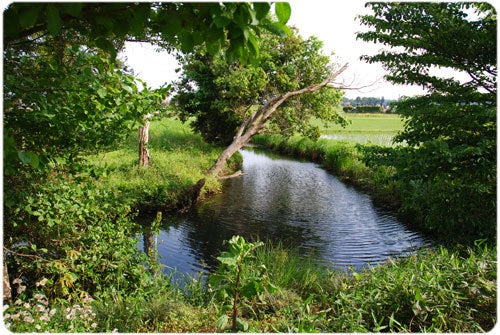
(298,203)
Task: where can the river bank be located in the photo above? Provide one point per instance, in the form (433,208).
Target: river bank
(178,160)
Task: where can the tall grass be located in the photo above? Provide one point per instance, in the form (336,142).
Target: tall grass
(179,158)
(436,290)
(433,291)
(440,290)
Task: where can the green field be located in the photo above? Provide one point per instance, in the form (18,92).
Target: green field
(364,128)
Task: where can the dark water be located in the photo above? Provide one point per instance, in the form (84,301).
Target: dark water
(297,203)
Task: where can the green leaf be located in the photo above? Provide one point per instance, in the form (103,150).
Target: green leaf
(106,45)
(242,324)
(283,11)
(187,41)
(213,47)
(221,21)
(227,260)
(261,9)
(54,22)
(251,289)
(29,158)
(221,322)
(253,45)
(73,8)
(101,92)
(28,18)
(278,29)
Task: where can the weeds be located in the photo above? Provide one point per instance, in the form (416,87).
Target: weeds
(238,279)
(36,314)
(435,290)
(179,159)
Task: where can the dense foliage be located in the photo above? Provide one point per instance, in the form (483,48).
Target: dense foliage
(221,95)
(447,173)
(69,243)
(61,100)
(171,25)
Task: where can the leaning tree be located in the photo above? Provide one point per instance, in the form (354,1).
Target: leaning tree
(231,102)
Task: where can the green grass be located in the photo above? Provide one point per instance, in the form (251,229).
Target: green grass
(378,129)
(435,290)
(178,159)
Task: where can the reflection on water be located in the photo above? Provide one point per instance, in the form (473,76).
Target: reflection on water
(297,203)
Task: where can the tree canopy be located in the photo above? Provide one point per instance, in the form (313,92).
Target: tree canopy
(178,25)
(221,95)
(64,91)
(448,168)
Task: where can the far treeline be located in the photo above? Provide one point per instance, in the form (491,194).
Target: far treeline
(367,105)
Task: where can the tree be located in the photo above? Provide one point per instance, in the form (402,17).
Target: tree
(234,102)
(43,43)
(61,100)
(448,170)
(171,25)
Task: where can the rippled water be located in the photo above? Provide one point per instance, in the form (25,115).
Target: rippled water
(285,200)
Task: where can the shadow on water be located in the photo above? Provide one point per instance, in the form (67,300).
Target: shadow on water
(282,200)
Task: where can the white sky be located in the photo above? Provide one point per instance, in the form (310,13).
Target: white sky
(333,22)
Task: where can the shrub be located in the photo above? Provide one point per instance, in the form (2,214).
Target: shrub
(435,290)
(76,235)
(348,109)
(369,109)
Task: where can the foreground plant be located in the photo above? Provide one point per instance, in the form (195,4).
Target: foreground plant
(238,279)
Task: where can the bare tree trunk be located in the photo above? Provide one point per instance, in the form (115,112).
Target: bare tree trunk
(143,145)
(149,243)
(256,122)
(7,294)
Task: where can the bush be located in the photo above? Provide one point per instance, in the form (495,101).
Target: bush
(77,236)
(348,109)
(369,109)
(363,109)
(433,291)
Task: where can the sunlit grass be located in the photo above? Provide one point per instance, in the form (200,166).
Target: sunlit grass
(178,159)
(378,129)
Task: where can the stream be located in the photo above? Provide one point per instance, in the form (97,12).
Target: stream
(284,200)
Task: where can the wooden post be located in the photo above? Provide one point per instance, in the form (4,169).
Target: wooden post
(143,145)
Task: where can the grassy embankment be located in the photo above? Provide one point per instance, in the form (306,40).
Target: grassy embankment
(179,159)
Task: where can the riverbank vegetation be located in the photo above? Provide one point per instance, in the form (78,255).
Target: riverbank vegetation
(439,290)
(179,158)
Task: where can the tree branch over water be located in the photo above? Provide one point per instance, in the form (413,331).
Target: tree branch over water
(256,122)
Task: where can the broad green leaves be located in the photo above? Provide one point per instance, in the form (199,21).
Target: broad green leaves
(238,278)
(447,173)
(56,111)
(29,157)
(420,37)
(54,22)
(171,25)
(283,11)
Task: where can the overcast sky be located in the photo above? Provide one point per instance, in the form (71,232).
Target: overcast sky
(333,22)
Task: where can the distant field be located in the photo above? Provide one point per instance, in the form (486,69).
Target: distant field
(364,128)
